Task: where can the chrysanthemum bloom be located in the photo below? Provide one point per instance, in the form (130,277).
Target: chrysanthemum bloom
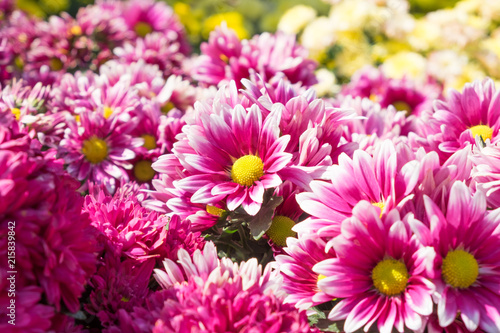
(380,273)
(98,150)
(315,128)
(6,61)
(23,100)
(147,16)
(465,238)
(463,116)
(299,279)
(156,49)
(232,154)
(55,244)
(376,179)
(225,58)
(374,125)
(73,92)
(221,296)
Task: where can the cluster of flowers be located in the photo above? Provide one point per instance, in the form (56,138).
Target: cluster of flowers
(155,190)
(452,41)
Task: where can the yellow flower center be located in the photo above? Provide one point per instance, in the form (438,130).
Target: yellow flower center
(16,112)
(390,277)
(107,112)
(19,62)
(76,30)
(247,170)
(484,131)
(280,230)
(143,28)
(224,58)
(167,107)
(213,210)
(402,106)
(56,64)
(460,269)
(95,150)
(143,171)
(321,277)
(149,141)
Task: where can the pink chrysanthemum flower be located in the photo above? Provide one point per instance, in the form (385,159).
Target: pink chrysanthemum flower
(486,173)
(55,244)
(98,150)
(156,49)
(465,237)
(380,273)
(463,116)
(299,279)
(221,296)
(225,58)
(232,154)
(376,179)
(374,125)
(147,16)
(73,92)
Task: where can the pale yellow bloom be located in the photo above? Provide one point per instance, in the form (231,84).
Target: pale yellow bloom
(407,63)
(318,36)
(327,83)
(234,20)
(296,18)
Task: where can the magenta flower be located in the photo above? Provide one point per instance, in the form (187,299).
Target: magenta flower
(376,179)
(380,273)
(232,154)
(465,237)
(147,16)
(98,150)
(485,174)
(225,58)
(221,296)
(463,116)
(296,267)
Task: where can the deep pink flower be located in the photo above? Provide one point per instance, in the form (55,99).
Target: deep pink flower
(146,16)
(380,273)
(222,296)
(465,238)
(225,58)
(231,153)
(98,150)
(376,179)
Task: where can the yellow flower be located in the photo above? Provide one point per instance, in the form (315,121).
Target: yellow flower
(318,36)
(234,20)
(404,63)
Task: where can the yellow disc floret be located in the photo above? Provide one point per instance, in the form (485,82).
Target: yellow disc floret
(402,106)
(484,131)
(281,229)
(247,170)
(460,269)
(379,205)
(16,112)
(107,112)
(143,171)
(56,64)
(390,277)
(95,150)
(213,210)
(149,141)
(142,29)
(167,107)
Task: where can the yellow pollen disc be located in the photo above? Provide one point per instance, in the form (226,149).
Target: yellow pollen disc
(390,277)
(125,299)
(247,170)
(484,131)
(56,64)
(167,107)
(75,30)
(19,62)
(280,230)
(95,150)
(149,141)
(373,98)
(16,112)
(460,269)
(143,171)
(402,106)
(77,118)
(379,205)
(321,277)
(143,28)
(107,112)
(212,210)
